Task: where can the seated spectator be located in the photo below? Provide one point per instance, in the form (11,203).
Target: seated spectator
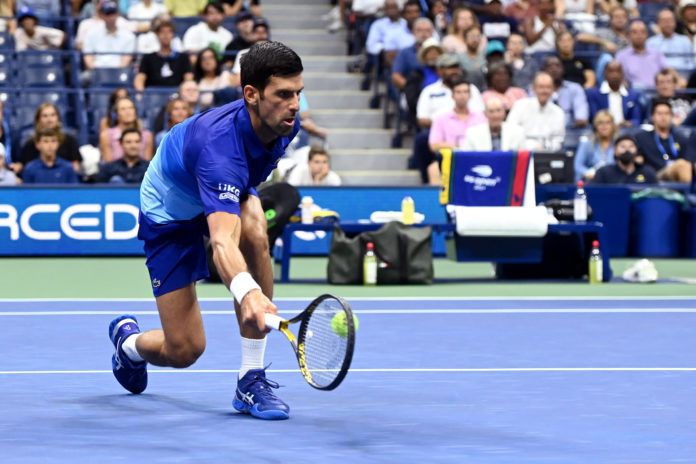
(495,25)
(575,69)
(542,120)
(7,176)
(471,61)
(462,19)
(165,68)
(131,168)
(144,12)
(640,64)
(260,35)
(109,120)
(149,43)
(208,33)
(541,30)
(30,36)
(666,87)
(665,150)
(245,33)
(47,117)
(317,171)
(607,6)
(48,168)
(185,8)
(439,15)
(449,129)
(499,79)
(613,38)
(687,18)
(126,118)
(625,170)
(401,39)
(380,29)
(521,10)
(622,103)
(406,63)
(568,95)
(677,48)
(6,142)
(497,134)
(110,46)
(188,91)
(178,110)
(96,22)
(597,151)
(524,66)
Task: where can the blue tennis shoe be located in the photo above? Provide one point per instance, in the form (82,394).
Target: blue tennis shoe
(255,396)
(131,375)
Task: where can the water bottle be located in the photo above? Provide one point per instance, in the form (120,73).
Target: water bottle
(580,203)
(370,265)
(307,204)
(596,267)
(408,210)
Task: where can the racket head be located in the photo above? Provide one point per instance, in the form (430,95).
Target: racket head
(324,355)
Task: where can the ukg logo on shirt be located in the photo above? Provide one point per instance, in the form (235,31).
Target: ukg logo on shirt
(229,192)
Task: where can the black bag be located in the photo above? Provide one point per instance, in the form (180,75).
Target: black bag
(404,255)
(279,201)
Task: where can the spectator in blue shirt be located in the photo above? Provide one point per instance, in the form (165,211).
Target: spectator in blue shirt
(598,150)
(677,48)
(48,168)
(570,96)
(131,168)
(406,61)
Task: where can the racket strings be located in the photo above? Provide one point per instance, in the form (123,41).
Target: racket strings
(325,350)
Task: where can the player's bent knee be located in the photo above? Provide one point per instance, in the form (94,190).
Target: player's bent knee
(185,355)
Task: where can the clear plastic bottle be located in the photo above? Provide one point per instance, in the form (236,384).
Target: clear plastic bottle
(370,265)
(306,208)
(408,210)
(580,203)
(595,265)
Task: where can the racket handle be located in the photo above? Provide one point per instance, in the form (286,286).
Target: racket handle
(273,321)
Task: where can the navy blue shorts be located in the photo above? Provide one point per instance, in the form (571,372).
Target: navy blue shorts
(175,252)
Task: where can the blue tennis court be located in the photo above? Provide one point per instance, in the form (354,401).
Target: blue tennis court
(433,380)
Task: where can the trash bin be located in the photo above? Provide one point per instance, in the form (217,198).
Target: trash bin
(655,227)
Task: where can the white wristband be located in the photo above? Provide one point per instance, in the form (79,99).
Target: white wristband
(242,284)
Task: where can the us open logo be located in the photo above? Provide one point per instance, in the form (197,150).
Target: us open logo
(482,179)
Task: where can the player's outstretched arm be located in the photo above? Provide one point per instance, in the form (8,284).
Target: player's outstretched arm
(225,232)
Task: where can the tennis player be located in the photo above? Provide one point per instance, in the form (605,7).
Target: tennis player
(202,182)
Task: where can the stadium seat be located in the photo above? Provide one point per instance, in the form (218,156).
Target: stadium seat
(112,77)
(49,76)
(6,41)
(6,77)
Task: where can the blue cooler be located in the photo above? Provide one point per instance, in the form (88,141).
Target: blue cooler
(655,227)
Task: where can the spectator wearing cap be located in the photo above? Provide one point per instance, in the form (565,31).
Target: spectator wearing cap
(97,22)
(149,43)
(143,12)
(621,102)
(686,24)
(542,120)
(471,61)
(626,169)
(165,68)
(497,134)
(407,60)
(185,8)
(575,69)
(664,149)
(570,96)
(495,25)
(677,48)
(208,33)
(260,33)
(30,36)
(245,33)
(499,79)
(524,66)
(495,51)
(640,64)
(110,46)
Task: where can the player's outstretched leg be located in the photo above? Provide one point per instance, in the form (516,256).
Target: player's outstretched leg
(255,396)
(131,375)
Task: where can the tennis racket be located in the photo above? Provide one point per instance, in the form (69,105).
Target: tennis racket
(324,356)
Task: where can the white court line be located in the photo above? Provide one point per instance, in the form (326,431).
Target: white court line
(384,298)
(379,370)
(384,311)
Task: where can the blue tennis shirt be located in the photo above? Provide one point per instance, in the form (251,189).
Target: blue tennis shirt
(206,164)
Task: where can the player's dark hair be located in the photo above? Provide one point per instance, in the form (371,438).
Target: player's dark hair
(267,59)
(130,130)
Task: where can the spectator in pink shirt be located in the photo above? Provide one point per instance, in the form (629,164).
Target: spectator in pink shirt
(449,129)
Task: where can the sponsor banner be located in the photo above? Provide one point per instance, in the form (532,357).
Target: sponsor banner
(69,221)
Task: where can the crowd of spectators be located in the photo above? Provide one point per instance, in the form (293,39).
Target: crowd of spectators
(134,68)
(569,75)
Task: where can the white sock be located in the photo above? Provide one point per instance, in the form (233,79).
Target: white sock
(252,354)
(128,346)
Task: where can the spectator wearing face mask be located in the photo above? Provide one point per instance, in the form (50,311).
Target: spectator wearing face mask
(625,170)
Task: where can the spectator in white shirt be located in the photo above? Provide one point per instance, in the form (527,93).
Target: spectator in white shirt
(209,32)
(317,171)
(543,121)
(30,36)
(143,12)
(100,43)
(149,42)
(96,22)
